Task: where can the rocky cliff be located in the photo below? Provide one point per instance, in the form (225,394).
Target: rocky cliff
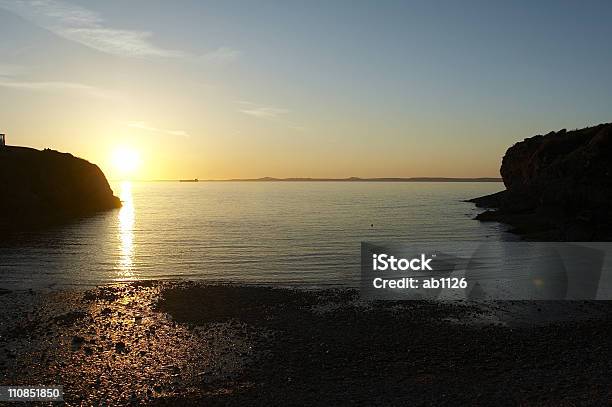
(558,186)
(42,188)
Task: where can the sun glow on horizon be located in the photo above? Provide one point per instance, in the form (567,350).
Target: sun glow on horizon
(126,161)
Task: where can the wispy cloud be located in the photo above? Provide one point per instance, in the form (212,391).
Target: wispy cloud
(271,113)
(11,70)
(145,126)
(265,112)
(86,27)
(222,55)
(52,86)
(262,112)
(296,127)
(12,77)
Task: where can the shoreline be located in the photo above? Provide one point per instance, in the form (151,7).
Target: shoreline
(192,343)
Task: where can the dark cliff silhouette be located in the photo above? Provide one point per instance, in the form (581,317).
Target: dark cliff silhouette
(44,188)
(558,186)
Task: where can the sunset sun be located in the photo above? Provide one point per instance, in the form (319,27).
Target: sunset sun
(272,202)
(126,160)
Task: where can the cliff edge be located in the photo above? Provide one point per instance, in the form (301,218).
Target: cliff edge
(42,188)
(558,186)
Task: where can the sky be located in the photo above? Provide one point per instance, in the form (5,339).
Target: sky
(247,89)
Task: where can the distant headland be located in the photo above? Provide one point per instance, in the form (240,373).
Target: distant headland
(558,186)
(44,188)
(351,179)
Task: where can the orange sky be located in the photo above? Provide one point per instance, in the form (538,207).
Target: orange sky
(369,90)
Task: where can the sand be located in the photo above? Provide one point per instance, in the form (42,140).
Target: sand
(189,343)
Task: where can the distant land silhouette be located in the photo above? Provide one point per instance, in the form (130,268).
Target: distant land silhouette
(355,179)
(558,186)
(43,188)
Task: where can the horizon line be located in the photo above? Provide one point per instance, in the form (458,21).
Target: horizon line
(313,179)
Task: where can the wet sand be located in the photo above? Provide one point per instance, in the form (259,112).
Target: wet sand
(184,343)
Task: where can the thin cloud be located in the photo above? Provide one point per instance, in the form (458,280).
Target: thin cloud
(265,112)
(11,70)
(261,112)
(11,77)
(297,127)
(53,86)
(86,27)
(271,113)
(222,55)
(144,126)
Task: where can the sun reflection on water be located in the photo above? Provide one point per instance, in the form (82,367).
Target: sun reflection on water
(126,232)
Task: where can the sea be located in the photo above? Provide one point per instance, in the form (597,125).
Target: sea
(272,233)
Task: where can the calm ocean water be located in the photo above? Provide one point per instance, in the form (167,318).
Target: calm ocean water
(289,233)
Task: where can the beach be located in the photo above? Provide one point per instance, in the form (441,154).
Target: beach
(193,343)
(343,203)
